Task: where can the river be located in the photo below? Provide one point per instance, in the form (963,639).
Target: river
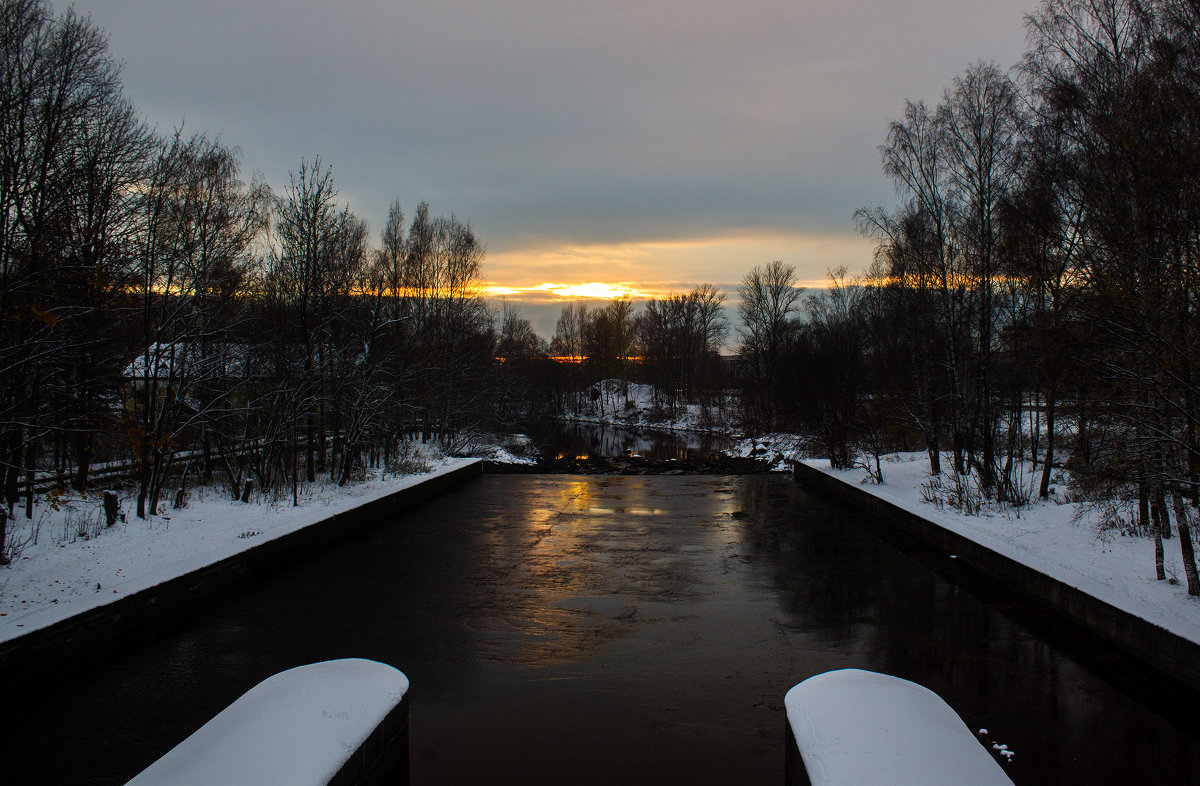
(616,629)
(566,439)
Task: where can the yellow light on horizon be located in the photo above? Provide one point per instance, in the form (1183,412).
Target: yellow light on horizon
(654,268)
(596,290)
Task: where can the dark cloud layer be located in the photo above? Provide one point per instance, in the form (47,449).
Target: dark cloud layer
(562,122)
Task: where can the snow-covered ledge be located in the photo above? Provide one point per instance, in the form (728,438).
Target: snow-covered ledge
(325,722)
(859,727)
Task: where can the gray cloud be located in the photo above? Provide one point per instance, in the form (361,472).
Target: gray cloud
(578,122)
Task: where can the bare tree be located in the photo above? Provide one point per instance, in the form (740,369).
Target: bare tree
(608,337)
(981,127)
(197,224)
(567,345)
(318,258)
(66,138)
(768,302)
(681,335)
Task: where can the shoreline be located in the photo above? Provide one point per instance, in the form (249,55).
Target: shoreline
(1162,644)
(150,603)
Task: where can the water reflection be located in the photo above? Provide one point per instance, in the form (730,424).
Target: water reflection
(577,576)
(558,440)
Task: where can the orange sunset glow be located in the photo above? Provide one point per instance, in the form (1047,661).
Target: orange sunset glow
(592,290)
(544,272)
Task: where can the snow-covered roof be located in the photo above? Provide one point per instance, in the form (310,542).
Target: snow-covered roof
(856,728)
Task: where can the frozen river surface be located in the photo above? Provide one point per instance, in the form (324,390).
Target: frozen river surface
(609,629)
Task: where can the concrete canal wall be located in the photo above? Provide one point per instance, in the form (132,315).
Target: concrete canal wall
(1169,653)
(106,628)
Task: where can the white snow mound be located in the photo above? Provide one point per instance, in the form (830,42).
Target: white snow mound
(297,727)
(855,728)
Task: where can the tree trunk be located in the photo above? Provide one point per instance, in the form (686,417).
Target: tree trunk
(310,467)
(1035,427)
(1143,508)
(12,477)
(1147,509)
(83,459)
(181,495)
(207,458)
(1185,544)
(1048,466)
(3,535)
(1160,571)
(31,458)
(1161,496)
(143,478)
(112,508)
(960,454)
(162,468)
(935,453)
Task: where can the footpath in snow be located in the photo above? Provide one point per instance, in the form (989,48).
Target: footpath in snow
(1055,537)
(67,563)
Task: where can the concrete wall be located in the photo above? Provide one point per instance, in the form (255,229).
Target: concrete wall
(1167,652)
(383,756)
(105,629)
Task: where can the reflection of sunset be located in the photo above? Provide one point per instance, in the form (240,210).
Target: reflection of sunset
(589,561)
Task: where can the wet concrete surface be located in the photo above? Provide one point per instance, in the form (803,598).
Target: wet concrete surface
(609,629)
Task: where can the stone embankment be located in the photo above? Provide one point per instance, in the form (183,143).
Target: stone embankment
(1164,650)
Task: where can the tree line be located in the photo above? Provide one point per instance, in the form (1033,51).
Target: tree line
(680,345)
(1033,299)
(157,307)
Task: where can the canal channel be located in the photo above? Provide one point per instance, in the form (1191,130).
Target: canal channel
(615,629)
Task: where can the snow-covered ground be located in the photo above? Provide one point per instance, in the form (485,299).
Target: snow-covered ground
(65,561)
(778,448)
(510,449)
(1056,537)
(297,727)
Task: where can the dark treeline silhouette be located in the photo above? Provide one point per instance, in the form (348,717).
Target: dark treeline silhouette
(679,344)
(1034,295)
(158,310)
(673,344)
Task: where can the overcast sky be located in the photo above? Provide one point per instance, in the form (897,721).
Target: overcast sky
(659,144)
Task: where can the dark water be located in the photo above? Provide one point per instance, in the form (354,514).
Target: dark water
(558,439)
(576,629)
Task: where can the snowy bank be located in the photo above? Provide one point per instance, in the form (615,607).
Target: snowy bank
(307,725)
(634,405)
(859,727)
(79,595)
(1051,551)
